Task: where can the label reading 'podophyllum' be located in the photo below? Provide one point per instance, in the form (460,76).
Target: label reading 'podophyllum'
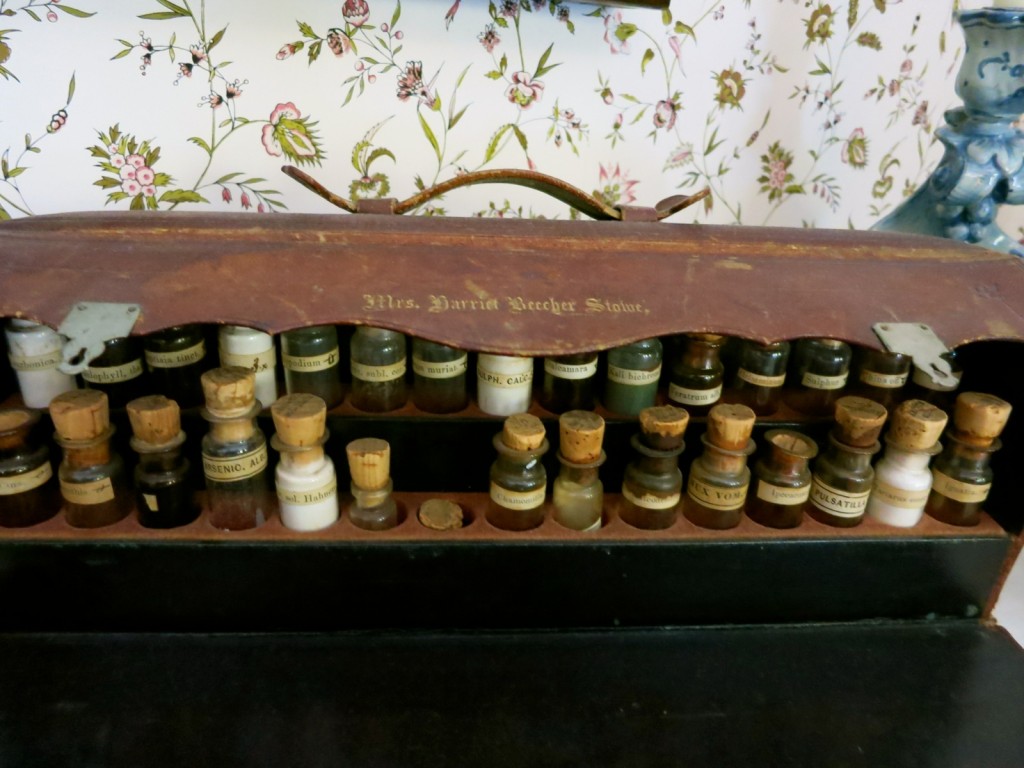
(307,497)
(44,362)
(257,363)
(178,359)
(899,497)
(724,499)
(836,502)
(686,396)
(760,380)
(231,468)
(777,494)
(448,369)
(115,374)
(817,381)
(966,493)
(571,371)
(26,481)
(311,364)
(632,377)
(378,373)
(650,500)
(95,492)
(503,497)
(884,380)
(504,380)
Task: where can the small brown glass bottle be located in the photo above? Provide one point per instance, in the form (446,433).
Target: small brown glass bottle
(176,358)
(652,485)
(28,488)
(760,376)
(717,491)
(369,464)
(820,369)
(118,371)
(378,369)
(569,382)
(518,478)
(439,377)
(577,494)
(696,382)
(163,492)
(961,475)
(881,376)
(311,359)
(783,480)
(92,477)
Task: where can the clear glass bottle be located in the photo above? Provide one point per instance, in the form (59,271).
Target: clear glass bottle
(634,371)
(255,350)
(504,384)
(881,376)
(35,351)
(696,382)
(716,493)
(28,487)
(439,377)
(760,374)
(176,358)
(378,369)
(577,494)
(373,508)
(518,478)
(819,373)
(164,494)
(307,486)
(783,480)
(118,371)
(311,359)
(569,382)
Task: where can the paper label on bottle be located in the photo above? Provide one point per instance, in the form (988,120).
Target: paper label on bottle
(378,373)
(714,497)
(817,381)
(231,468)
(899,497)
(95,492)
(760,380)
(966,493)
(884,380)
(306,497)
(26,481)
(650,500)
(571,371)
(449,369)
(44,362)
(257,363)
(632,377)
(685,396)
(178,359)
(838,503)
(151,503)
(504,380)
(503,497)
(312,364)
(115,374)
(777,494)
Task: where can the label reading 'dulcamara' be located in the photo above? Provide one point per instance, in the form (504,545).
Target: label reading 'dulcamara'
(44,362)
(304,498)
(115,374)
(836,502)
(884,380)
(178,359)
(650,500)
(816,381)
(571,371)
(724,499)
(25,481)
(686,396)
(378,373)
(504,380)
(503,497)
(310,364)
(632,377)
(899,497)
(95,492)
(448,369)
(759,380)
(777,494)
(944,485)
(231,468)
(257,363)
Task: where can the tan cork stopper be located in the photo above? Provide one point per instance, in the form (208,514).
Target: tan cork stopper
(81,414)
(369,462)
(979,418)
(155,419)
(440,515)
(713,338)
(12,421)
(299,419)
(580,434)
(730,426)
(523,432)
(916,425)
(229,391)
(664,421)
(859,421)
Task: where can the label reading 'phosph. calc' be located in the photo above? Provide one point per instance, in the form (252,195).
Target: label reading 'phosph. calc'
(311,364)
(899,497)
(231,468)
(378,373)
(836,502)
(816,381)
(25,481)
(650,500)
(760,380)
(504,380)
(305,498)
(571,371)
(884,380)
(685,396)
(115,374)
(724,499)
(632,377)
(777,494)
(257,363)
(503,497)
(957,490)
(448,369)
(95,492)
(45,362)
(178,359)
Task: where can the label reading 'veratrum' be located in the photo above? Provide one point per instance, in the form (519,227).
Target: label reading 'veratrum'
(261,361)
(504,380)
(571,371)
(836,502)
(724,499)
(957,490)
(884,380)
(899,497)
(503,497)
(115,374)
(448,369)
(686,396)
(777,494)
(650,500)
(817,381)
(314,496)
(178,359)
(44,362)
(378,373)
(632,377)
(311,364)
(25,481)
(95,492)
(760,380)
(231,468)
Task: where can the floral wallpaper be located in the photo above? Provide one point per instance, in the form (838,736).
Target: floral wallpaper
(793,112)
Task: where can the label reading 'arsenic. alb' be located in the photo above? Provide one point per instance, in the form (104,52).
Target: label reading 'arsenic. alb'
(571,371)
(650,500)
(686,396)
(777,494)
(632,377)
(314,496)
(884,380)
(115,374)
(836,502)
(312,364)
(966,493)
(724,499)
(448,369)
(503,497)
(817,381)
(231,468)
(94,492)
(378,373)
(44,362)
(25,481)
(178,359)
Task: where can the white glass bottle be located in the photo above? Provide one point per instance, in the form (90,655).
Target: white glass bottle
(35,352)
(307,486)
(252,349)
(504,384)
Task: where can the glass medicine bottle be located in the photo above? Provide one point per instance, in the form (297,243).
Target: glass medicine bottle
(783,480)
(941,393)
(881,376)
(311,359)
(760,374)
(717,490)
(118,371)
(820,370)
(842,477)
(504,384)
(164,496)
(234,452)
(252,349)
(92,476)
(176,358)
(652,484)
(633,374)
(569,382)
(307,486)
(378,369)
(696,379)
(35,351)
(439,377)
(369,463)
(28,489)
(902,480)
(961,475)
(518,478)
(577,494)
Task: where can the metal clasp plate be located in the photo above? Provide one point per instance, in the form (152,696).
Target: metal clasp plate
(920,342)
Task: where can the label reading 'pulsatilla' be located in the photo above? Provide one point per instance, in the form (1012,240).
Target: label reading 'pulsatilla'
(817,381)
(570,371)
(777,494)
(26,481)
(178,359)
(504,380)
(685,396)
(633,378)
(899,497)
(724,499)
(957,490)
(760,380)
(884,380)
(378,373)
(503,497)
(94,492)
(114,374)
(836,502)
(448,369)
(650,500)
(311,364)
(44,362)
(231,468)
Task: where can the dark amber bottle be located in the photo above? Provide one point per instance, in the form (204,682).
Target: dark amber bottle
(634,371)
(28,487)
(881,376)
(518,478)
(569,382)
(941,394)
(716,493)
(439,377)
(118,371)
(783,480)
(164,495)
(176,358)
(760,374)
(652,485)
(311,361)
(820,369)
(696,382)
(378,362)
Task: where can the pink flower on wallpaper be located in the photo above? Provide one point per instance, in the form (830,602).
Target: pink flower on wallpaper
(665,114)
(286,52)
(524,90)
(410,83)
(127,171)
(145,175)
(489,38)
(356,12)
(131,187)
(246,202)
(117,160)
(677,49)
(611,27)
(290,134)
(338,42)
(136,160)
(225,194)
(616,186)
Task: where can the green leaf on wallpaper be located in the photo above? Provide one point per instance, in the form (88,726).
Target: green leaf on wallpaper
(625,31)
(121,54)
(493,74)
(28,141)
(823,68)
(713,142)
(174,7)
(307,31)
(795,189)
(201,144)
(4,215)
(520,136)
(502,22)
(542,66)
(869,40)
(685,29)
(398,12)
(454,120)
(216,39)
(159,16)
(74,11)
(107,182)
(880,5)
(314,50)
(71,88)
(666,16)
(31,13)
(138,203)
(503,64)
(429,134)
(942,41)
(228,177)
(851,13)
(647,59)
(493,144)
(182,196)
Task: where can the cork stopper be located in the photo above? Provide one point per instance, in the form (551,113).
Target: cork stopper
(81,414)
(229,391)
(730,426)
(369,463)
(916,425)
(523,432)
(979,418)
(299,419)
(155,419)
(580,436)
(14,424)
(859,421)
(440,515)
